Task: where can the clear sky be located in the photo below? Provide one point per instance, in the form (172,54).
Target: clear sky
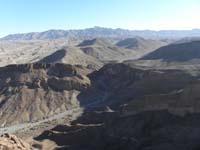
(19,16)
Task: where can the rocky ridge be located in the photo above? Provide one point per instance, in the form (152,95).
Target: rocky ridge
(30,92)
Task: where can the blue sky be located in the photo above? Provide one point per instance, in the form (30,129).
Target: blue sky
(19,16)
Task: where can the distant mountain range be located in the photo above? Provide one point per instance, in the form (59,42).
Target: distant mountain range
(95,32)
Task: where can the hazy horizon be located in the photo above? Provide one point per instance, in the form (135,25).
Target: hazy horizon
(102,27)
(37,16)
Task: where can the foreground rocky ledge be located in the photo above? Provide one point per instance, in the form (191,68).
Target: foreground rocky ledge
(11,142)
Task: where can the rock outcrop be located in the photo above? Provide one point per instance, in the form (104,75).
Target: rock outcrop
(11,142)
(31,92)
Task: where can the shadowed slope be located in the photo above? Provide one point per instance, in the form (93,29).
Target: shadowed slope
(141,45)
(72,55)
(176,52)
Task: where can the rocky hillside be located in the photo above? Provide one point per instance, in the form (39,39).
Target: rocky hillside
(117,83)
(32,92)
(72,55)
(141,45)
(105,51)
